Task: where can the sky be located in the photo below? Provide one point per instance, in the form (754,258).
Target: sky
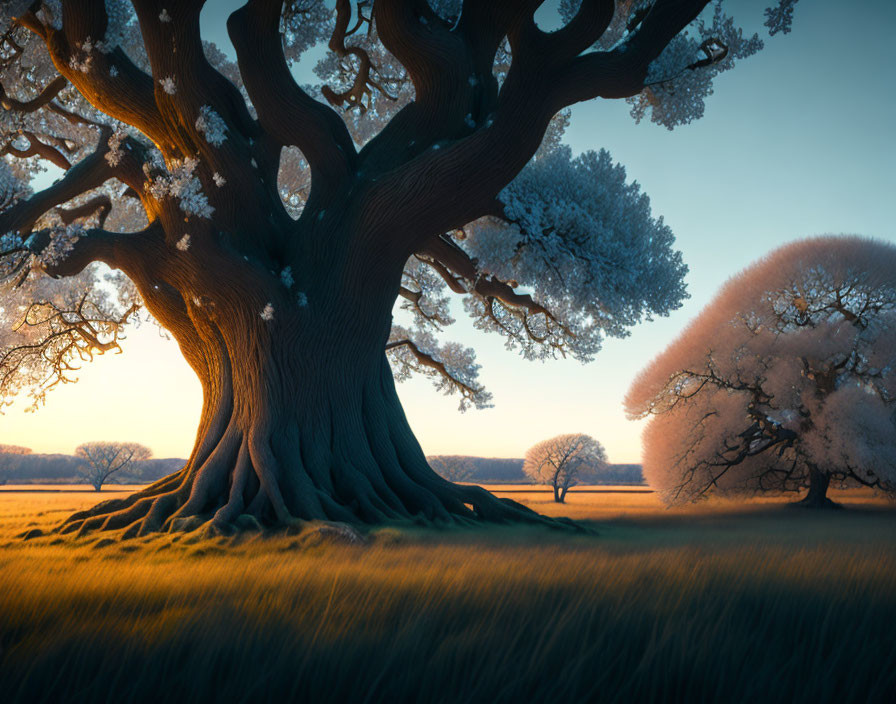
(796,141)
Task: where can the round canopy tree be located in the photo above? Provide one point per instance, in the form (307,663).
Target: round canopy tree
(786,380)
(270,227)
(561,461)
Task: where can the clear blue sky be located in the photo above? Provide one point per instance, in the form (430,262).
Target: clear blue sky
(796,141)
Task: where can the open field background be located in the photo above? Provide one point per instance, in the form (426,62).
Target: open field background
(723,602)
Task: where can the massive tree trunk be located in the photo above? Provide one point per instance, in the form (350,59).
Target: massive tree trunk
(301,420)
(816,497)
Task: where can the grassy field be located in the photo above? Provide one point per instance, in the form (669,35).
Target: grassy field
(731,603)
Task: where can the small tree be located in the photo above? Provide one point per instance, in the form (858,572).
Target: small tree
(786,380)
(103,459)
(454,468)
(560,461)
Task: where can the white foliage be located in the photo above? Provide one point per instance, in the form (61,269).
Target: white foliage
(168,86)
(451,366)
(584,242)
(267,313)
(183,244)
(113,156)
(675,94)
(779,18)
(62,242)
(212,125)
(183,184)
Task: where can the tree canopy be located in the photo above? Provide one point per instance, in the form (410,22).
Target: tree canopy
(562,461)
(270,227)
(785,380)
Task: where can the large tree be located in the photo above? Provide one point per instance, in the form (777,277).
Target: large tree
(785,381)
(270,227)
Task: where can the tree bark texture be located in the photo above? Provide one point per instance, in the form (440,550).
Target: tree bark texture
(300,419)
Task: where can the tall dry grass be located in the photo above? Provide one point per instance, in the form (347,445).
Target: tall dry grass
(711,605)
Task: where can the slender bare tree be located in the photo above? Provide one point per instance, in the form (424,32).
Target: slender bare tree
(270,229)
(100,460)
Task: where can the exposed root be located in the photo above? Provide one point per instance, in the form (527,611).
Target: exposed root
(364,468)
(812,502)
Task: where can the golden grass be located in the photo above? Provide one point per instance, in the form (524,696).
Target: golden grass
(753,603)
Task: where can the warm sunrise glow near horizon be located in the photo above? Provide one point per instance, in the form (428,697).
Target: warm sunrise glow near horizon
(797,141)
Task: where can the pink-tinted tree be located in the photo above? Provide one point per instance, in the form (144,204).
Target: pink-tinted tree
(785,381)
(561,461)
(14,450)
(271,228)
(100,460)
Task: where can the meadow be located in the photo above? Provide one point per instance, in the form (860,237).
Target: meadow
(720,602)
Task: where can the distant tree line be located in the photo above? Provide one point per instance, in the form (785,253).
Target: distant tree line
(23,468)
(510,470)
(18,465)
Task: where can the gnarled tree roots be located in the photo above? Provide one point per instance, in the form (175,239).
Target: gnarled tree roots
(268,484)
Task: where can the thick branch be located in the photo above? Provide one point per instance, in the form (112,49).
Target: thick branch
(285,111)
(37,148)
(120,250)
(621,73)
(89,173)
(127,96)
(446,257)
(101,204)
(46,95)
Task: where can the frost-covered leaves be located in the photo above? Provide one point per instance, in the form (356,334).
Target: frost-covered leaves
(303,24)
(415,349)
(583,241)
(211,125)
(451,366)
(12,188)
(792,365)
(676,88)
(25,72)
(180,182)
(423,295)
(779,18)
(52,326)
(68,124)
(681,78)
